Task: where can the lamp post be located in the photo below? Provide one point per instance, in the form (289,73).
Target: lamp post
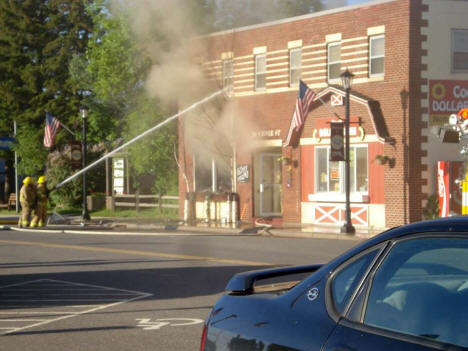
(346,79)
(84,116)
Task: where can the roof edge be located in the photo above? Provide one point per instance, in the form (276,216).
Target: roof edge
(297,18)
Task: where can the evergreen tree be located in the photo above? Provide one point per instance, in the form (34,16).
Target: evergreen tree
(38,38)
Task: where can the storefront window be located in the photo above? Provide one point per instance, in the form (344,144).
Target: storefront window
(321,161)
(212,176)
(329,176)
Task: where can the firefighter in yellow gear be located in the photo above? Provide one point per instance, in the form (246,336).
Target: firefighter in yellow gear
(40,211)
(27,201)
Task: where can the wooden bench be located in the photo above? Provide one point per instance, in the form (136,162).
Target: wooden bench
(11,202)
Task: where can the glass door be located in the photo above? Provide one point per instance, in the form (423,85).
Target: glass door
(270,184)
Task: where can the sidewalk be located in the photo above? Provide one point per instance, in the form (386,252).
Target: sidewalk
(135,226)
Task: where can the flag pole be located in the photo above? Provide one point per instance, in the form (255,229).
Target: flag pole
(67,129)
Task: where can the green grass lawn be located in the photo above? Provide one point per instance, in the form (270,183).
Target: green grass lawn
(165,213)
(7,212)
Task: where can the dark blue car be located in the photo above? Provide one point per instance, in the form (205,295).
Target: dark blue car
(405,289)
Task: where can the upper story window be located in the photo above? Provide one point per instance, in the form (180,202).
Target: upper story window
(459,50)
(260,72)
(228,75)
(295,62)
(334,60)
(376,55)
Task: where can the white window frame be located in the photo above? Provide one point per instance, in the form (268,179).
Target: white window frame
(328,194)
(260,73)
(452,49)
(330,62)
(372,57)
(293,68)
(228,75)
(215,176)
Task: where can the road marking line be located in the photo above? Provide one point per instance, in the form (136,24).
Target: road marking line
(90,232)
(53,300)
(75,314)
(39,313)
(63,294)
(65,315)
(110,232)
(139,253)
(22,320)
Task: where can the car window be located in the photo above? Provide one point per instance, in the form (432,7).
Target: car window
(345,281)
(421,289)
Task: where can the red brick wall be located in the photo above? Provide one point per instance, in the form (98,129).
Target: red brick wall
(402,20)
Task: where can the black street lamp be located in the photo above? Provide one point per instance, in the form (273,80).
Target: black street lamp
(347,79)
(84,115)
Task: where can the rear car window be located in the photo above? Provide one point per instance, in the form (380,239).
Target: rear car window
(421,289)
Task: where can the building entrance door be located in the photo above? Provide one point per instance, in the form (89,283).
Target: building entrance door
(270,184)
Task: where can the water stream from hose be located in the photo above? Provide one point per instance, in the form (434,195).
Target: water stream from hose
(109,154)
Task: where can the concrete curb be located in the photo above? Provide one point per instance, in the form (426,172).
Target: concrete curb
(111,232)
(148,230)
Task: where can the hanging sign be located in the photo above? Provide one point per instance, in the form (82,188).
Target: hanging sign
(75,155)
(337,141)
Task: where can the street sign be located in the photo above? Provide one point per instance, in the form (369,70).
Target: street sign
(5,143)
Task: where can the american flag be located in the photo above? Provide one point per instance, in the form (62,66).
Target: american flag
(51,128)
(305,98)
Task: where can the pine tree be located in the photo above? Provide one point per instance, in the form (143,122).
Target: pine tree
(38,38)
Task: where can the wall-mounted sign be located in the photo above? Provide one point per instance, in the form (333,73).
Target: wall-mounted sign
(243,173)
(354,131)
(267,133)
(336,100)
(445,98)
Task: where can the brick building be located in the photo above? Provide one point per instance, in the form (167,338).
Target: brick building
(410,64)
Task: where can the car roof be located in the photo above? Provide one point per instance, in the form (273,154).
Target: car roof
(457,224)
(448,224)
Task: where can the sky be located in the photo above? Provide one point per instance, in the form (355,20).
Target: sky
(352,2)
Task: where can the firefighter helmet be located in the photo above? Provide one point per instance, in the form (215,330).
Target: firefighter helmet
(28,180)
(41,180)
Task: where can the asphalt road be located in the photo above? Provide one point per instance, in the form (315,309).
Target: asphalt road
(94,292)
